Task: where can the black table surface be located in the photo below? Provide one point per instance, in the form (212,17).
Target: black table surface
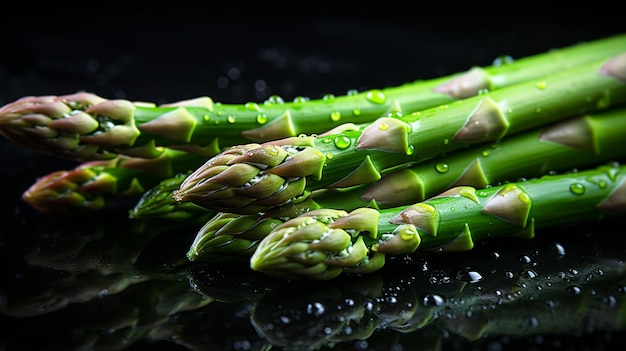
(63,287)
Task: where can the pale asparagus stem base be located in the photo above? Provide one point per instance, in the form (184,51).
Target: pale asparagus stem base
(250,178)
(85,126)
(324,243)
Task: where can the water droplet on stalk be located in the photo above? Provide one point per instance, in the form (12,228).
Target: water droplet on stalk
(376,96)
(261,118)
(335,116)
(577,189)
(442,167)
(342,142)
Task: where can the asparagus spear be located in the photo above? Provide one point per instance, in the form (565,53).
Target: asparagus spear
(579,142)
(85,126)
(253,177)
(321,244)
(97,185)
(585,141)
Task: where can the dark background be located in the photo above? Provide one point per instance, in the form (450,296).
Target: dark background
(241,52)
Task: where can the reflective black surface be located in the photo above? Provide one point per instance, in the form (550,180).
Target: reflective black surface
(105,282)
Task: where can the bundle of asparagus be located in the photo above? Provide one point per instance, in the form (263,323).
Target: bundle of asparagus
(130,135)
(252,178)
(575,143)
(312,188)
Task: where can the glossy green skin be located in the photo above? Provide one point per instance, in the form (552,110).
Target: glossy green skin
(206,127)
(457,220)
(322,244)
(361,156)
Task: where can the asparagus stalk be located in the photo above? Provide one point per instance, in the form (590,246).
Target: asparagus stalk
(253,177)
(323,243)
(579,142)
(85,126)
(585,141)
(96,185)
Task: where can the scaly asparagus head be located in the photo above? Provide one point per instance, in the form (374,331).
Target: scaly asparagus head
(84,126)
(250,178)
(97,185)
(319,245)
(229,236)
(325,242)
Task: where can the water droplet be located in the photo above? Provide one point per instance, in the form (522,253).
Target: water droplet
(503,60)
(509,275)
(329,155)
(342,142)
(469,276)
(376,96)
(335,116)
(574,289)
(442,167)
(446,141)
(274,99)
(328,97)
(541,85)
(231,119)
(577,189)
(558,249)
(300,99)
(524,259)
(485,153)
(261,118)
(252,106)
(528,274)
(352,92)
(395,114)
(315,309)
(430,300)
(206,117)
(383,126)
(356,111)
(410,150)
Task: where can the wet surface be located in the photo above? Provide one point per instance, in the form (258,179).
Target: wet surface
(106,282)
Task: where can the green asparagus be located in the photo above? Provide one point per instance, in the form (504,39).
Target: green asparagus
(84,126)
(251,178)
(323,243)
(585,141)
(96,185)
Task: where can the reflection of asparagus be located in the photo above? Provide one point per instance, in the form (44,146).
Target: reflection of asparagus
(85,126)
(576,143)
(396,300)
(250,178)
(111,322)
(320,244)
